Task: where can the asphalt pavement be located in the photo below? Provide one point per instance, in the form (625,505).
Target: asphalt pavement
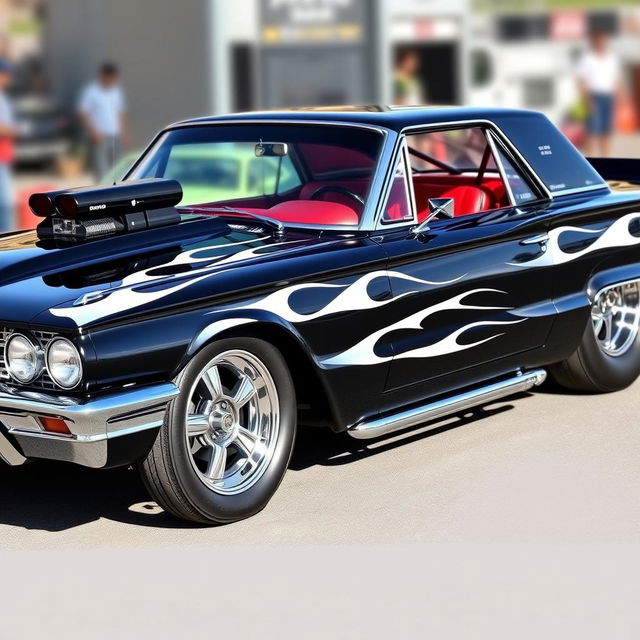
(544,467)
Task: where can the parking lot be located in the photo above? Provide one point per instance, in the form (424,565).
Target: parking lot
(548,467)
(522,520)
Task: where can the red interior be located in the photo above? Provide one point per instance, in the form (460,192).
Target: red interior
(316,212)
(334,208)
(468,195)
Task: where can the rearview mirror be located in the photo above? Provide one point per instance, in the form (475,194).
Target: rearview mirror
(271,149)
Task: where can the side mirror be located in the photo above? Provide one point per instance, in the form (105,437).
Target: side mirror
(443,207)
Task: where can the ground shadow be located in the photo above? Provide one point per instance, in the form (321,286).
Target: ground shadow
(322,447)
(551,387)
(51,496)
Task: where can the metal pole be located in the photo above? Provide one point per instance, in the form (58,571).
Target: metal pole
(219,59)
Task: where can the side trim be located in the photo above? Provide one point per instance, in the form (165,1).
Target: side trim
(453,404)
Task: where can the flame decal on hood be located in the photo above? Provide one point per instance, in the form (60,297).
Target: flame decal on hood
(134,291)
(363,353)
(616,235)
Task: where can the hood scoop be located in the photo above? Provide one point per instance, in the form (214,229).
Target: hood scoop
(93,212)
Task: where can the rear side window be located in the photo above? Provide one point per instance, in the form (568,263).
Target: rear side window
(460,149)
(555,160)
(519,187)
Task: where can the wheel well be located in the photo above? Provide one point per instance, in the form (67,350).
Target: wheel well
(314,405)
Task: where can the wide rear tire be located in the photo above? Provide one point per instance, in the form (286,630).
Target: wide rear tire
(608,358)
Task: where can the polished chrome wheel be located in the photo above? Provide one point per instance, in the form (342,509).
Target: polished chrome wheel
(616,317)
(232,422)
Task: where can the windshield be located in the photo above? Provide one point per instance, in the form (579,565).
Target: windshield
(299,174)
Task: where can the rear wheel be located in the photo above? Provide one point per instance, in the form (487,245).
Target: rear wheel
(228,437)
(608,357)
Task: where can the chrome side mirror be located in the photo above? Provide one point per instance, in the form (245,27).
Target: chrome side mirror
(443,207)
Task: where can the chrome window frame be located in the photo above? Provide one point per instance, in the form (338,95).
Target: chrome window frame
(501,170)
(490,127)
(393,143)
(403,156)
(378,180)
(498,149)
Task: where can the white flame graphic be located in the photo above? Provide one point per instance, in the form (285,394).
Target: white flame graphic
(616,235)
(354,297)
(363,352)
(131,292)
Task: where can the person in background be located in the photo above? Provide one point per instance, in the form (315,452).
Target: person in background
(600,83)
(102,112)
(7,134)
(407,88)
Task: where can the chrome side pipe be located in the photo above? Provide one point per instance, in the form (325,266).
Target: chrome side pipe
(453,404)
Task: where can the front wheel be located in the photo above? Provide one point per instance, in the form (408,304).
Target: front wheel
(608,357)
(228,437)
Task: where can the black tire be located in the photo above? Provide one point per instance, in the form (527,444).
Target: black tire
(590,369)
(167,471)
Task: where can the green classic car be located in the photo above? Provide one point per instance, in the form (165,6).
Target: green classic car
(209,175)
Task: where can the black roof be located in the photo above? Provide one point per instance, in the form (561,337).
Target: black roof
(394,118)
(560,166)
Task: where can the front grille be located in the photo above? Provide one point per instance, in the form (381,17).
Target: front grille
(43,381)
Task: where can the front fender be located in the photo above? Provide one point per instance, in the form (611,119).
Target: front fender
(314,388)
(220,324)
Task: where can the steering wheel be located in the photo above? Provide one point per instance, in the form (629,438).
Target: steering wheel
(337,189)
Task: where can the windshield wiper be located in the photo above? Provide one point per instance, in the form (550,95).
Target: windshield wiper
(279,230)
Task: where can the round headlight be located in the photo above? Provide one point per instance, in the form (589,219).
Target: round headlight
(23,358)
(64,363)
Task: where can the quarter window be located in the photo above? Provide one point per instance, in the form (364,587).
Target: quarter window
(398,205)
(521,190)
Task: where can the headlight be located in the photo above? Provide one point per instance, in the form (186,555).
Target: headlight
(23,358)
(64,363)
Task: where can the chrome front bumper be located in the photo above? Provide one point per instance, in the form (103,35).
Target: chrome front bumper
(92,422)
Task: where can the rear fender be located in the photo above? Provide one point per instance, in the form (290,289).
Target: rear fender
(608,277)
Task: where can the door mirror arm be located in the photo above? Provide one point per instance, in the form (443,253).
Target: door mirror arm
(437,207)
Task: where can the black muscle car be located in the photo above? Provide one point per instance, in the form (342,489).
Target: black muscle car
(373,269)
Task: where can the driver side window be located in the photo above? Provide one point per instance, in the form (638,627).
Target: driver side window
(458,165)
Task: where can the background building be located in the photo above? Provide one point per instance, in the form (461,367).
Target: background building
(212,56)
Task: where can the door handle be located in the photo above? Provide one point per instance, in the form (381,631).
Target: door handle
(540,239)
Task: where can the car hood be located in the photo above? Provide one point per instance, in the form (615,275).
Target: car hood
(71,285)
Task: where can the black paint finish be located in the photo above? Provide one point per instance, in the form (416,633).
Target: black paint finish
(164,293)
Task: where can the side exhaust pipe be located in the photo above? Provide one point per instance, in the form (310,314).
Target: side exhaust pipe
(453,404)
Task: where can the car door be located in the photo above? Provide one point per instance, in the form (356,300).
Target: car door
(466,300)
